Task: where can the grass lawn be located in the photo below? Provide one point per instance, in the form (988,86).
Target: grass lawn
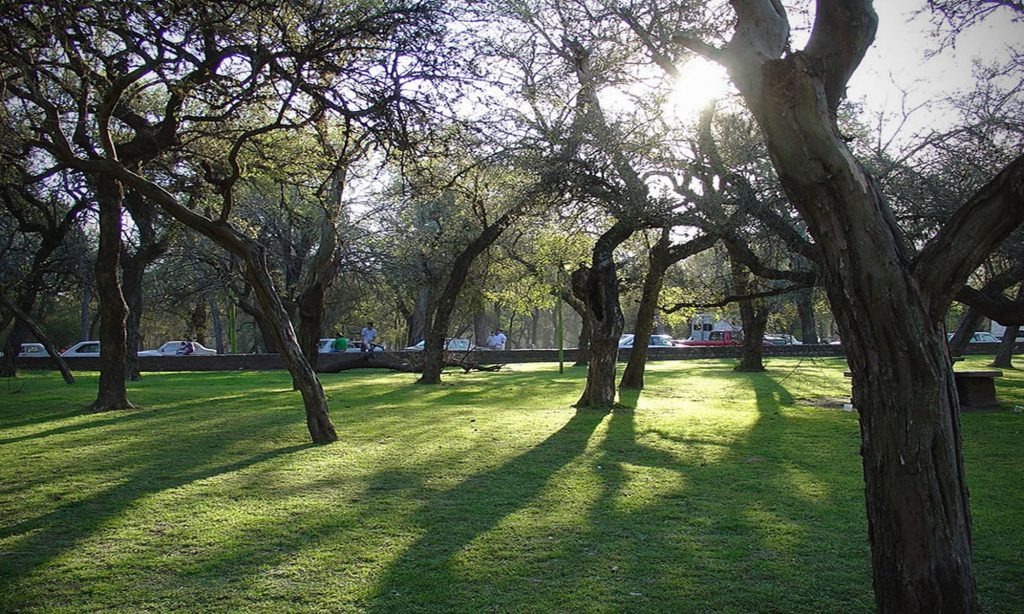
(721,492)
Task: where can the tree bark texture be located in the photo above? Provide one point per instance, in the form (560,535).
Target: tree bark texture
(1004,355)
(433,348)
(133,271)
(112,392)
(754,316)
(657,265)
(969,322)
(271,308)
(808,324)
(30,325)
(598,287)
(888,304)
(318,420)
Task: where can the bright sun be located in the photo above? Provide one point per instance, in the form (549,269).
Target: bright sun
(700,82)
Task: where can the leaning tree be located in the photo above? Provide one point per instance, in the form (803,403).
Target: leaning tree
(917,501)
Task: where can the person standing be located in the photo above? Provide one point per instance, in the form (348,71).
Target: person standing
(499,340)
(369,335)
(340,343)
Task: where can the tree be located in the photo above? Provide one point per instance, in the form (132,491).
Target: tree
(917,504)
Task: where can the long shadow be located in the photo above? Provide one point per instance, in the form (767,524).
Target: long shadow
(157,464)
(452,519)
(739,512)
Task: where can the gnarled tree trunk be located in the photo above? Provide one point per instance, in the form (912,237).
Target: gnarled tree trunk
(888,303)
(598,287)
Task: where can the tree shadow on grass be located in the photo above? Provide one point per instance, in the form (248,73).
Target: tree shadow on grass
(451,520)
(735,533)
(153,463)
(665,523)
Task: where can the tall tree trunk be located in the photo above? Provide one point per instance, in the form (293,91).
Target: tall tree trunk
(133,271)
(112,392)
(420,316)
(40,335)
(10,346)
(969,322)
(888,303)
(1004,356)
(84,317)
(433,350)
(218,323)
(754,316)
(657,264)
(598,287)
(805,308)
(481,326)
(304,377)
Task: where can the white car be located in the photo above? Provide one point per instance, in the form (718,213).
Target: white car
(656,341)
(83,349)
(32,350)
(978,337)
(452,345)
(171,349)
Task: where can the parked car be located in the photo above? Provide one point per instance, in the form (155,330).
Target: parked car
(450,344)
(656,341)
(83,349)
(32,350)
(171,349)
(782,339)
(978,337)
(326,346)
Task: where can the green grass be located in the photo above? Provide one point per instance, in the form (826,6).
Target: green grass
(721,492)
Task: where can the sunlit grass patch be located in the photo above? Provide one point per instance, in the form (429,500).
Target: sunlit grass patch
(709,491)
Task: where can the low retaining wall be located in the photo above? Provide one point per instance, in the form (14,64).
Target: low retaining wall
(272,362)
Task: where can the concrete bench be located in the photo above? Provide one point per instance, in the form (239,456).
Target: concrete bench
(976,389)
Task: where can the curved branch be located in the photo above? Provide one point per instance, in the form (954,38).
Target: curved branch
(843,31)
(980,224)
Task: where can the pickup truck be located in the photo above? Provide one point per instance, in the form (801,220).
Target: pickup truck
(718,337)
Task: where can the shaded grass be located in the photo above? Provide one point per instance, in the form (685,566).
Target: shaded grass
(709,491)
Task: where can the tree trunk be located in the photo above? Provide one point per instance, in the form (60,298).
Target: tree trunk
(598,287)
(311,320)
(84,317)
(917,506)
(40,335)
(318,420)
(218,323)
(969,322)
(433,350)
(481,326)
(10,346)
(1004,356)
(112,392)
(658,263)
(754,315)
(420,316)
(133,272)
(805,307)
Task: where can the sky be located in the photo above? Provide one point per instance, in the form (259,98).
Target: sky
(898,60)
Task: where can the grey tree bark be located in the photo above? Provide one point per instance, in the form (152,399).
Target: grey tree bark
(917,500)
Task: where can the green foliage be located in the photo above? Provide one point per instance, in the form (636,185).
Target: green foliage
(719,492)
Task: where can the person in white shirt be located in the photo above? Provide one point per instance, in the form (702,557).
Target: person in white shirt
(369,335)
(499,340)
